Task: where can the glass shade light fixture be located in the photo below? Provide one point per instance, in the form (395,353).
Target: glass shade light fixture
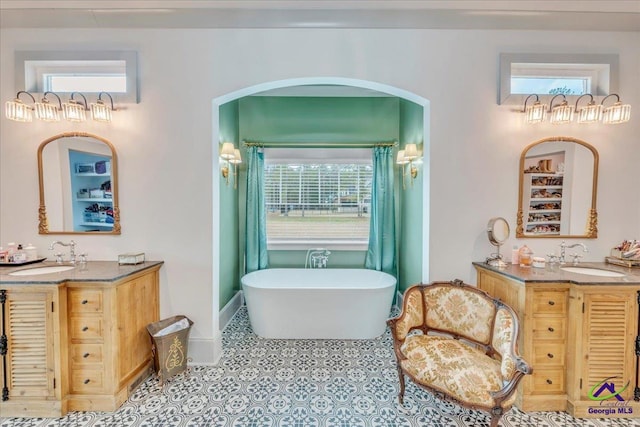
(561,113)
(100,111)
(46,111)
(590,113)
(408,156)
(227,153)
(535,113)
(74,110)
(616,113)
(17,110)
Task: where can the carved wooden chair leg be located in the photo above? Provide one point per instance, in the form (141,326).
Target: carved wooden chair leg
(401,393)
(496,414)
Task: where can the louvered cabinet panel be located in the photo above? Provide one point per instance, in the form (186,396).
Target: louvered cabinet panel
(28,324)
(609,331)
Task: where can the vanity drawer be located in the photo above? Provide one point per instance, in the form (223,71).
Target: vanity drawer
(548,353)
(87,380)
(550,380)
(85,301)
(550,302)
(85,328)
(549,328)
(86,353)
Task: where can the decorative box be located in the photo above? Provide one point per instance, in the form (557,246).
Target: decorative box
(131,258)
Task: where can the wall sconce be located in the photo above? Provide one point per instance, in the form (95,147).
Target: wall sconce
(100,111)
(74,110)
(19,111)
(616,113)
(562,113)
(535,113)
(231,155)
(591,113)
(407,156)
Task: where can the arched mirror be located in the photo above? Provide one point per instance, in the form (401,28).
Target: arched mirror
(78,185)
(558,189)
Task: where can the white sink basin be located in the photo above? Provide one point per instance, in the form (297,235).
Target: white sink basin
(593,271)
(42,270)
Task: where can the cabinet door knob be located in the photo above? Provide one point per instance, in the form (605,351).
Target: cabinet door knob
(549,381)
(84,301)
(87,381)
(85,355)
(552,302)
(85,329)
(550,329)
(550,355)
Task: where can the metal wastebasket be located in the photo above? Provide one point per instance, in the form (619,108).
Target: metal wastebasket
(170,350)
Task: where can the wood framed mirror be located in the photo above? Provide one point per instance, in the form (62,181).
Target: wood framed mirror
(558,189)
(78,180)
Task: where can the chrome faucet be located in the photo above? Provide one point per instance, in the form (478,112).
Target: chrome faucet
(317,258)
(564,246)
(72,251)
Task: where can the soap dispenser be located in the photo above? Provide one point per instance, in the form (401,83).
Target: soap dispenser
(515,258)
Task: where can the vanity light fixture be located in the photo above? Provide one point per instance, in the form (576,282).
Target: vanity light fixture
(562,113)
(616,113)
(100,111)
(19,111)
(74,110)
(535,113)
(47,111)
(591,113)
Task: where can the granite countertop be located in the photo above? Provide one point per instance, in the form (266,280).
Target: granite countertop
(554,273)
(92,271)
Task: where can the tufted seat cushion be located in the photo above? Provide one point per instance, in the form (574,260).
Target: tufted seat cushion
(453,367)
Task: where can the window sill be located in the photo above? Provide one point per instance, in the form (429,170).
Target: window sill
(336,245)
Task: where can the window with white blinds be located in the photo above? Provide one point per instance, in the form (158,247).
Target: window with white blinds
(318,200)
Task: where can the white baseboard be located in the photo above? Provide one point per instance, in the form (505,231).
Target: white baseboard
(228,311)
(205,351)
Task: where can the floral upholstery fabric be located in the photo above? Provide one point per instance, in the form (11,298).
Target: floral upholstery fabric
(453,367)
(503,335)
(412,315)
(457,310)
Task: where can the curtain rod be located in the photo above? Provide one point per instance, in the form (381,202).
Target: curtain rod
(320,144)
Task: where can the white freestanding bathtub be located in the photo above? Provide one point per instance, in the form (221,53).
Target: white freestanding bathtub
(318,303)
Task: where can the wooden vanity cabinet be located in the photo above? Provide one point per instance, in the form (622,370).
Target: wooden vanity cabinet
(32,326)
(77,346)
(542,310)
(109,347)
(575,336)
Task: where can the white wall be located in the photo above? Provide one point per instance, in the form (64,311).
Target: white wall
(164,144)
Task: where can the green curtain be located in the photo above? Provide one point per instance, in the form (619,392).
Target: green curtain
(381,254)
(256,227)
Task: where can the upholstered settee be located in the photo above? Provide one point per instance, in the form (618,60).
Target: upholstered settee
(459,343)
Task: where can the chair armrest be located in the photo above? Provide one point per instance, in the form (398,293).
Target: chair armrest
(522,369)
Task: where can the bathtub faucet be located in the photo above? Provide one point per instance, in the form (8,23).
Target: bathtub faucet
(317,258)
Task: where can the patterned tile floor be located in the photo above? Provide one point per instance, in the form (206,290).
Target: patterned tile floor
(295,383)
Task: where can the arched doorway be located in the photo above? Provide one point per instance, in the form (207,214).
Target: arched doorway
(217,103)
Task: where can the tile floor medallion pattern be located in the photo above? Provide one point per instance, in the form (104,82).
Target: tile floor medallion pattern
(295,383)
